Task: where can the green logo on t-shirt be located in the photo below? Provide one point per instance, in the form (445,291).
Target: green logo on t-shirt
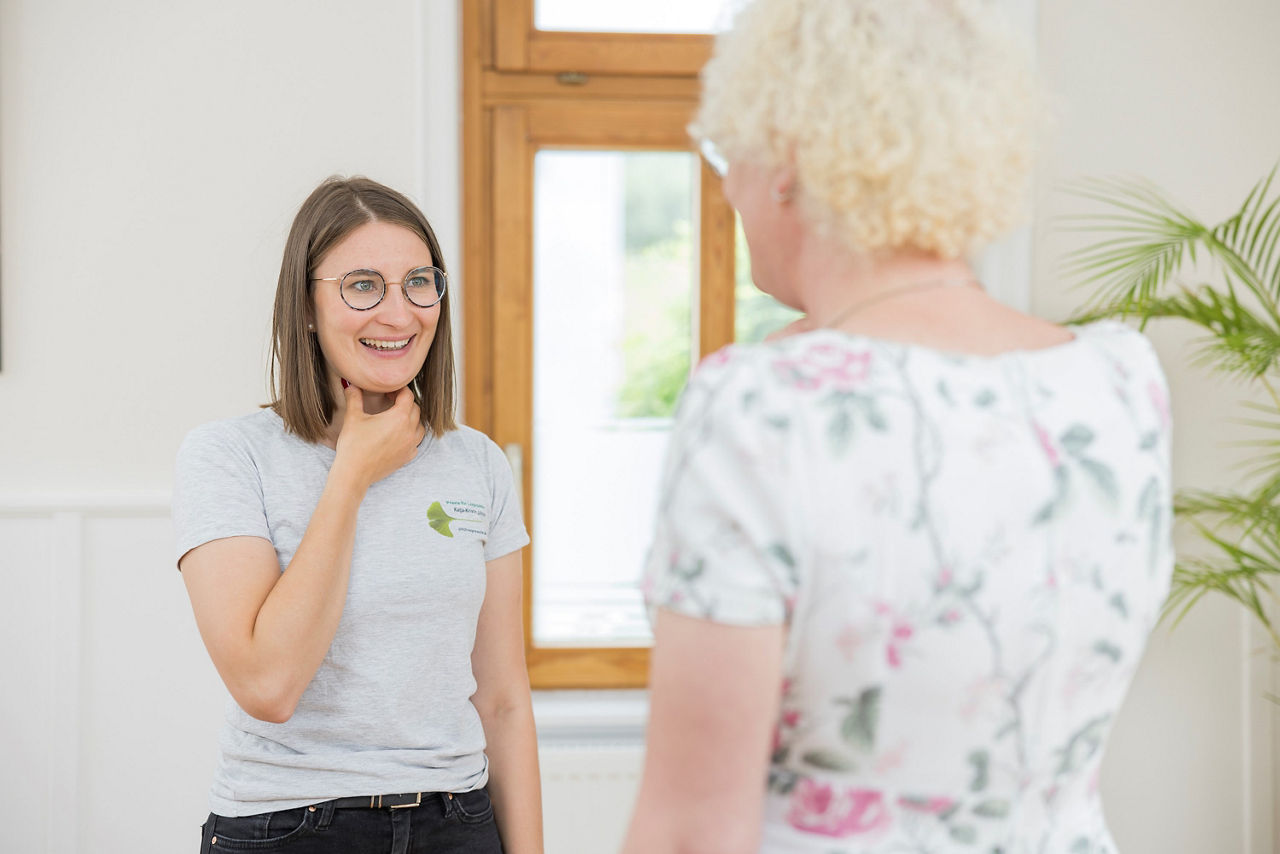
(468,513)
(438,519)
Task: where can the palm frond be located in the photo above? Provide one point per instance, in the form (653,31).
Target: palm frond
(1238,572)
(1240,342)
(1244,513)
(1151,240)
(1254,233)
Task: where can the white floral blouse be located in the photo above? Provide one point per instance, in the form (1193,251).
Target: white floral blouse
(968,553)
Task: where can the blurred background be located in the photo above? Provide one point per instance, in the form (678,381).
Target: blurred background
(152,155)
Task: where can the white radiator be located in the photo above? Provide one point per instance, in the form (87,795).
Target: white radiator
(587,794)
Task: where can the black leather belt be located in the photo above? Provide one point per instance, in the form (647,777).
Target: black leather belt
(392,802)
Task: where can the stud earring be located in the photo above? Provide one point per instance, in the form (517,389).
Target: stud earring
(311,326)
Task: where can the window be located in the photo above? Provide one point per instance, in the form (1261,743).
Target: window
(600,266)
(601,261)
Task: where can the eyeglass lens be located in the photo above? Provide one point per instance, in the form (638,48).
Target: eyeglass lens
(363,289)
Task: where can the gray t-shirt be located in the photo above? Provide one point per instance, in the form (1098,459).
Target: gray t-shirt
(389,710)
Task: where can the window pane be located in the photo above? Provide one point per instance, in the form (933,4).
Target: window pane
(755,313)
(631,16)
(614,281)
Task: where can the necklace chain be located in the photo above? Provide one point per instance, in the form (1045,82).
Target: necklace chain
(909,288)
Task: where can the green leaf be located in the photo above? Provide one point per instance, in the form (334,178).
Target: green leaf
(874,417)
(690,572)
(984,398)
(1102,477)
(859,726)
(1117,602)
(1063,480)
(839,430)
(980,760)
(995,808)
(782,553)
(439,520)
(963,833)
(1108,649)
(828,760)
(1076,439)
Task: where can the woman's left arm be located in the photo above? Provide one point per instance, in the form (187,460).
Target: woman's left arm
(506,708)
(713,703)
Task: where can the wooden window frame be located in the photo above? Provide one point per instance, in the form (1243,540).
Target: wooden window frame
(518,46)
(525,90)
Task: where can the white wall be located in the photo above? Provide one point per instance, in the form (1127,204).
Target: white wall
(154,154)
(159,147)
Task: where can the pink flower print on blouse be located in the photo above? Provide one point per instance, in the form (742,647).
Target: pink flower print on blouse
(901,633)
(825,366)
(718,358)
(1161,402)
(829,811)
(1046,444)
(849,641)
(945,577)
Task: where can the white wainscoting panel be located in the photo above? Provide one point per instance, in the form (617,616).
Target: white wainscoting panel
(108,695)
(26,559)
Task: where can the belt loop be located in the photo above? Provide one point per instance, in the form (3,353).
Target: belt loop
(325,816)
(446,802)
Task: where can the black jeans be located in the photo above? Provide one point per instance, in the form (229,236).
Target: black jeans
(443,824)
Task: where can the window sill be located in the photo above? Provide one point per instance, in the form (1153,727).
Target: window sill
(590,717)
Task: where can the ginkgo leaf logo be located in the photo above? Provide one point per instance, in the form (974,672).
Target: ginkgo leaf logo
(439,520)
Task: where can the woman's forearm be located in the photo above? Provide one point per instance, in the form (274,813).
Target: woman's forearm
(299,618)
(514,783)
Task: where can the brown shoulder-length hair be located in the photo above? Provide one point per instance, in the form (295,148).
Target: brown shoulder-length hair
(300,392)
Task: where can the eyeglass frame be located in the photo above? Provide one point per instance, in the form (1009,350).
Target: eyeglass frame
(715,159)
(386,284)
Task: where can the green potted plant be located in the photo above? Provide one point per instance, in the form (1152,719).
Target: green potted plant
(1147,263)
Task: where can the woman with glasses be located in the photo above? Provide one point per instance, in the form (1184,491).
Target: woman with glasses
(352,556)
(908,553)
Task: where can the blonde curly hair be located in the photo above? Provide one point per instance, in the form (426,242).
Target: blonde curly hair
(910,123)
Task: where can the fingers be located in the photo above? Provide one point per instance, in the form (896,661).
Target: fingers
(355,397)
(403,398)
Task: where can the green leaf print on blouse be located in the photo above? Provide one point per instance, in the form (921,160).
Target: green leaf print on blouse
(829,760)
(859,726)
(857,729)
(439,520)
(981,762)
(850,407)
(1066,455)
(1083,745)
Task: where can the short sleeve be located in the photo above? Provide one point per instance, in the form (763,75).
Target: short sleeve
(506,523)
(722,548)
(217,492)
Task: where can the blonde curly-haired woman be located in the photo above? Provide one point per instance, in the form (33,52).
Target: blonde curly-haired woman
(909,551)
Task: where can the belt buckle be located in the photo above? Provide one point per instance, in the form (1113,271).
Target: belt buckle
(417,801)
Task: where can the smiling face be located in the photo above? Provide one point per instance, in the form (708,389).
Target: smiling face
(382,349)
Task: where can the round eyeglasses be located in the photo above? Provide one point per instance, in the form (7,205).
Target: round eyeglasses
(364,289)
